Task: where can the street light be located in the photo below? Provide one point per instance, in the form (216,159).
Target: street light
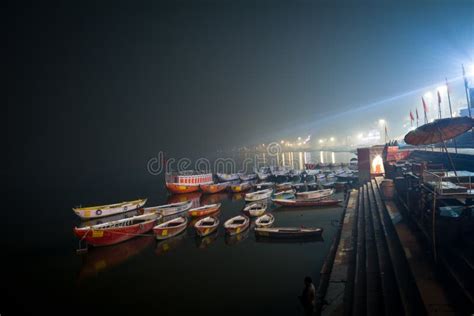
(321,141)
(331,139)
(381,122)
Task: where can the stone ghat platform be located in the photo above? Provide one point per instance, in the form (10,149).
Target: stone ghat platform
(377,265)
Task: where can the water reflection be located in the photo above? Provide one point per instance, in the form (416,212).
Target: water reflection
(236,239)
(100,259)
(204,242)
(165,246)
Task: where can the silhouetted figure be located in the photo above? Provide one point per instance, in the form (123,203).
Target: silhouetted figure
(308,296)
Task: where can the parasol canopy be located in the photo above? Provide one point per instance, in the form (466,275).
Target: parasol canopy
(439,131)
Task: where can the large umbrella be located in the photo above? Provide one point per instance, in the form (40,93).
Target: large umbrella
(439,131)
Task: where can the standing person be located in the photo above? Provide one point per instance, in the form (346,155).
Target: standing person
(308,297)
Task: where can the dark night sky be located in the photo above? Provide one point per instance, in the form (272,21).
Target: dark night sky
(111,85)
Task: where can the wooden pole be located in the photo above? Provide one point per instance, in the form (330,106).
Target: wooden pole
(433,224)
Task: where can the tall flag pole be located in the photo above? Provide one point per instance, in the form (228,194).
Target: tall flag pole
(439,104)
(386,134)
(466,88)
(425,109)
(411,118)
(417,117)
(449,98)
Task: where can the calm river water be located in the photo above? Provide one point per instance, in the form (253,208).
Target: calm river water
(184,275)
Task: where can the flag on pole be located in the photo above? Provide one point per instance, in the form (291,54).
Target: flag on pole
(439,104)
(465,79)
(417,117)
(411,118)
(425,107)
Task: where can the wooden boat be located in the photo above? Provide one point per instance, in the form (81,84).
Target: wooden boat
(114,232)
(228,176)
(248,177)
(287,194)
(255,209)
(236,225)
(204,210)
(108,209)
(264,185)
(317,194)
(186,181)
(241,187)
(170,209)
(300,202)
(263,176)
(170,228)
(214,187)
(266,220)
(284,186)
(288,232)
(258,195)
(206,226)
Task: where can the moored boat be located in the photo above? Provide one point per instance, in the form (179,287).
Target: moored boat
(284,186)
(266,220)
(204,210)
(170,209)
(248,177)
(255,209)
(263,185)
(301,203)
(241,187)
(263,176)
(213,188)
(170,228)
(236,225)
(227,176)
(114,232)
(288,232)
(317,194)
(287,194)
(206,226)
(108,209)
(187,181)
(258,195)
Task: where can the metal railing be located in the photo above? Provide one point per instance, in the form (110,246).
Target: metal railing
(447,183)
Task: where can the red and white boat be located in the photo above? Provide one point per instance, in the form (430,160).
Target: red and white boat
(170,209)
(206,226)
(111,233)
(170,228)
(236,225)
(108,209)
(300,202)
(204,210)
(213,188)
(317,194)
(187,181)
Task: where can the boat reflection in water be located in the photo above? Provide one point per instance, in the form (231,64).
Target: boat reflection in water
(166,245)
(194,196)
(204,242)
(214,198)
(97,260)
(262,239)
(235,239)
(238,196)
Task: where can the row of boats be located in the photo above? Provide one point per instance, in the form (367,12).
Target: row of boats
(167,221)
(192,181)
